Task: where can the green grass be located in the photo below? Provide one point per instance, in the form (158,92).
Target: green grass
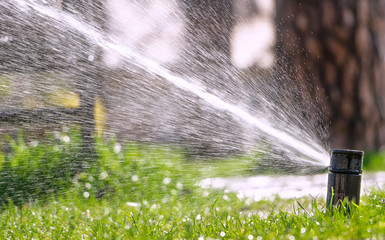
(151,192)
(374,161)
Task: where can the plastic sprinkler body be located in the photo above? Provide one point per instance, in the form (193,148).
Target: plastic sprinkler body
(344,179)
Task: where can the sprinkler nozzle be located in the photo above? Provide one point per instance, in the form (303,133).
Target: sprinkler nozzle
(344,181)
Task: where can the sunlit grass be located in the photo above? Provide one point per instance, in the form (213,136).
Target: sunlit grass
(151,192)
(374,161)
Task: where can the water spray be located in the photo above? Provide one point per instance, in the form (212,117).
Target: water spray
(344,181)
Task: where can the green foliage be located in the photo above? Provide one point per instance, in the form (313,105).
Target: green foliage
(32,172)
(374,161)
(147,173)
(150,192)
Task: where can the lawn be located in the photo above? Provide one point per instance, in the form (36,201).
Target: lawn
(151,192)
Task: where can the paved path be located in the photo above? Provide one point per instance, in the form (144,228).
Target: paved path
(266,187)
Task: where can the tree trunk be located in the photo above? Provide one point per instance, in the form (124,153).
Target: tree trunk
(336,50)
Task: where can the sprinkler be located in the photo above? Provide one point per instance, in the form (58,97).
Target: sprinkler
(344,181)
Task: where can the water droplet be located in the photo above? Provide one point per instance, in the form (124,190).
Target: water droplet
(153,206)
(166,181)
(133,204)
(117,148)
(106,211)
(134,178)
(66,139)
(4,39)
(103,175)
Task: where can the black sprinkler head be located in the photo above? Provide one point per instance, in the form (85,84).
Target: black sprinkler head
(344,179)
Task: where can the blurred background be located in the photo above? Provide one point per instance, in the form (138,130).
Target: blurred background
(327,54)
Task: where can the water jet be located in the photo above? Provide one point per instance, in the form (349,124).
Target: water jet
(270,122)
(344,180)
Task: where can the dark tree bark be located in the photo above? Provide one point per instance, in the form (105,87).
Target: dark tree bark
(336,51)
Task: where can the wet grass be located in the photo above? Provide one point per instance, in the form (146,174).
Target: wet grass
(141,192)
